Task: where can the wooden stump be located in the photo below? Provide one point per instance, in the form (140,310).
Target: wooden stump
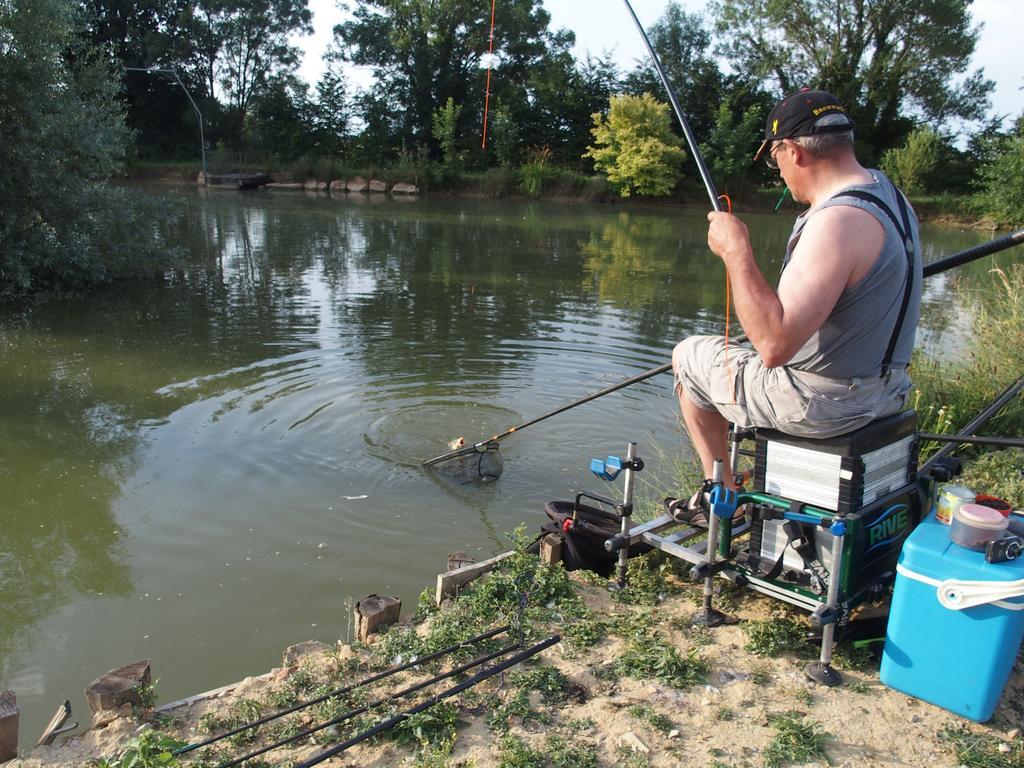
(119,686)
(458,560)
(551,549)
(375,612)
(9,716)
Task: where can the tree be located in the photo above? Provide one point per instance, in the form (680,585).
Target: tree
(282,117)
(911,165)
(331,111)
(141,34)
(682,43)
(257,45)
(1001,197)
(888,61)
(445,131)
(62,134)
(635,146)
(424,53)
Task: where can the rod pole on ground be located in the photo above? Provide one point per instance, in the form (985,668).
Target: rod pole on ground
(367,707)
(391,722)
(346,689)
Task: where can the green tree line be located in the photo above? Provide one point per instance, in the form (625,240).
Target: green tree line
(78,97)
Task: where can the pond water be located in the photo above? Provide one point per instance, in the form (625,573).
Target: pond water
(205,471)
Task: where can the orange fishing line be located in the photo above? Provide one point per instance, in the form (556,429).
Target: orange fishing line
(728,311)
(487,89)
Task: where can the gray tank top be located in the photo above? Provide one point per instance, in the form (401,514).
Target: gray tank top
(852,341)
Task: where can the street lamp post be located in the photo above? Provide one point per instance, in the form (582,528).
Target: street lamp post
(199,115)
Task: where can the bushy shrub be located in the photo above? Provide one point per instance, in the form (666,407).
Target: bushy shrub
(911,166)
(635,147)
(1002,182)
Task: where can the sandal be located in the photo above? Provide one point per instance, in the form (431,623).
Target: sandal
(695,510)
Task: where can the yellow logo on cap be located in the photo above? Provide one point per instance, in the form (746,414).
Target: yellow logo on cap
(775,127)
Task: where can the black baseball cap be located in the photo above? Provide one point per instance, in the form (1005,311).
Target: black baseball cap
(798,115)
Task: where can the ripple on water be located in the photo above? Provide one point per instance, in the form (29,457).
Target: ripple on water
(412,433)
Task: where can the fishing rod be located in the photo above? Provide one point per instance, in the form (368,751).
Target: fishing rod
(949,262)
(483,445)
(367,707)
(970,254)
(691,141)
(347,689)
(456,689)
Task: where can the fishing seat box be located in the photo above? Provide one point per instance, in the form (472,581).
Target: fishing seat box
(869,474)
(959,660)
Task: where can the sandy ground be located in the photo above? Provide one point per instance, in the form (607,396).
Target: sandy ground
(869,724)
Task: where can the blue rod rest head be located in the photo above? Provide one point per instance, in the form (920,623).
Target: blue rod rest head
(723,501)
(608,469)
(838,528)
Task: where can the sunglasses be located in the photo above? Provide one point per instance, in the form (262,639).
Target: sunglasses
(770,160)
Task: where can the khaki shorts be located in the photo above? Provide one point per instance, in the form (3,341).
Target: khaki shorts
(796,402)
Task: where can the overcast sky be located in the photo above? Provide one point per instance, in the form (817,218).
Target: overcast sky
(602,25)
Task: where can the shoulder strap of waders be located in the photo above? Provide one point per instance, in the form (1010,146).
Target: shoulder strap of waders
(908,245)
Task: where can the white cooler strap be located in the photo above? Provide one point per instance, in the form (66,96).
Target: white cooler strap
(957,594)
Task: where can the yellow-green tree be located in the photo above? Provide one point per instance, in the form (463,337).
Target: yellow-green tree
(634,146)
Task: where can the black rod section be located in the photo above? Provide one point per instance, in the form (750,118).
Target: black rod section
(366,681)
(1003,442)
(1008,394)
(393,721)
(705,175)
(367,707)
(586,399)
(970,254)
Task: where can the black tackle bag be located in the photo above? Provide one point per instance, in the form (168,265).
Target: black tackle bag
(583,538)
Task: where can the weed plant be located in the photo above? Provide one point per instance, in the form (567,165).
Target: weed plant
(626,757)
(761,673)
(583,634)
(975,750)
(723,713)
(775,636)
(513,752)
(649,715)
(795,741)
(548,681)
(501,713)
(150,750)
(432,725)
(434,755)
(563,753)
(646,582)
(651,656)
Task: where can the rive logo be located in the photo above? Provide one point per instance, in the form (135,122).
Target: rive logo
(888,526)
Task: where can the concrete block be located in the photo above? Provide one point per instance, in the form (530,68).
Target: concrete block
(118,687)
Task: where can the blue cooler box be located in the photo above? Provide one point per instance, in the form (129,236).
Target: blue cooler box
(956,658)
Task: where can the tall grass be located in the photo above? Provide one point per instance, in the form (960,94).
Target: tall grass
(948,394)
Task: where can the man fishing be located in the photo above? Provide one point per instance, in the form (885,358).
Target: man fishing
(832,343)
